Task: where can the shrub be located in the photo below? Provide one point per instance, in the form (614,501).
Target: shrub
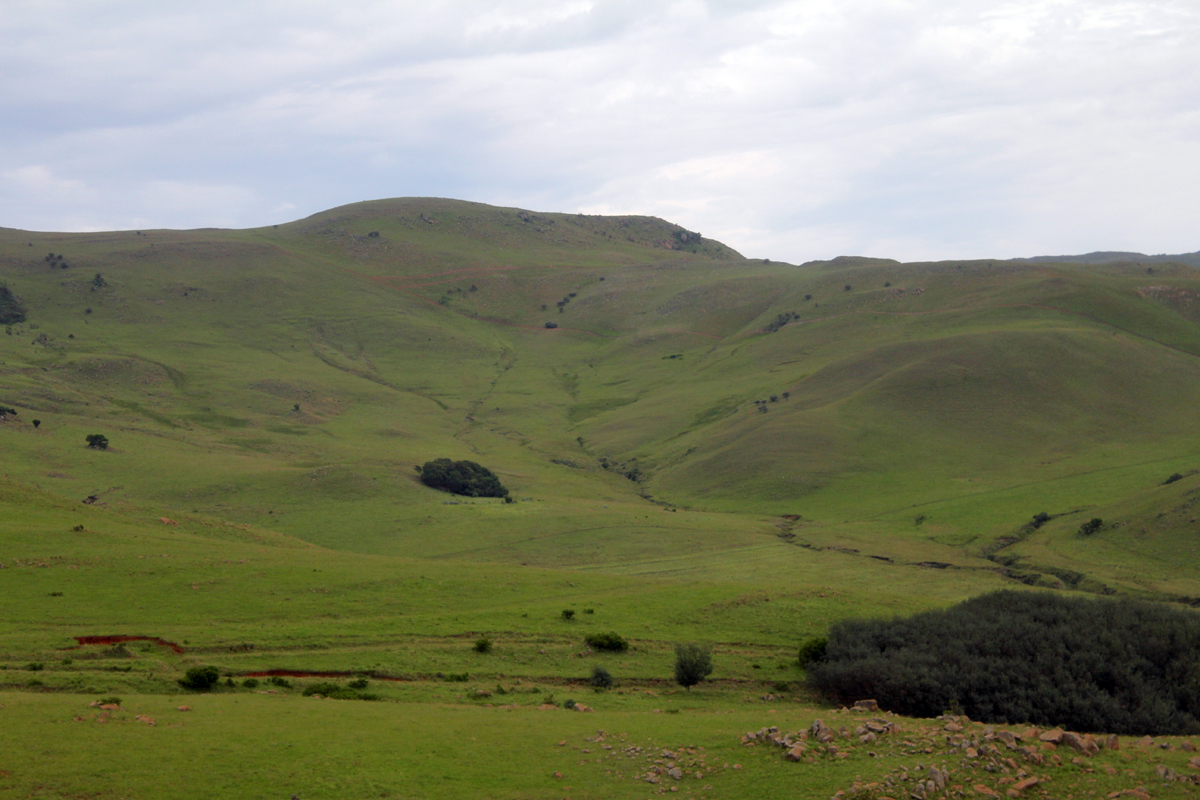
(813,650)
(200,679)
(250,683)
(483,645)
(1040,519)
(110,701)
(359,683)
(1128,667)
(36,666)
(1091,526)
(461,477)
(568,614)
(1175,476)
(601,678)
(282,683)
(97,441)
(551,324)
(693,663)
(569,703)
(612,642)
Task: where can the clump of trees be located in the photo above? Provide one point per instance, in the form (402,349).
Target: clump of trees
(97,441)
(1124,666)
(200,679)
(12,310)
(461,477)
(781,320)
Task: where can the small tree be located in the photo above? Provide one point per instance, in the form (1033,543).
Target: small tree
(601,678)
(612,642)
(483,645)
(693,663)
(568,614)
(1091,526)
(97,441)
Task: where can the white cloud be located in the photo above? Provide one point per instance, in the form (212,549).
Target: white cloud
(793,130)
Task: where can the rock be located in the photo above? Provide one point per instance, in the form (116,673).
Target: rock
(145,719)
(795,753)
(582,707)
(558,775)
(1166,773)
(867,738)
(1113,742)
(185,708)
(1146,741)
(110,707)
(676,773)
(953,727)
(866,705)
(1075,742)
(1187,747)
(1053,736)
(1007,737)
(1194,762)
(548,707)
(986,791)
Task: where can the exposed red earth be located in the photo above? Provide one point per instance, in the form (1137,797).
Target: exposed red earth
(118,639)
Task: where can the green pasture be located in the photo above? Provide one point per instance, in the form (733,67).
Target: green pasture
(702,448)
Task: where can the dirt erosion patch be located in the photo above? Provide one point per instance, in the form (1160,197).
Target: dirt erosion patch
(83,640)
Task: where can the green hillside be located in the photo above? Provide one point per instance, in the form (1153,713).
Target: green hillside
(699,445)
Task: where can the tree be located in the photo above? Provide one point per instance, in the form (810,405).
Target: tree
(1091,526)
(461,477)
(601,678)
(693,663)
(97,441)
(12,311)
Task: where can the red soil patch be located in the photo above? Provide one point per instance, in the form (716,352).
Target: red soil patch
(118,639)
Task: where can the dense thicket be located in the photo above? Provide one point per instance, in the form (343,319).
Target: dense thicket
(1012,657)
(12,310)
(462,477)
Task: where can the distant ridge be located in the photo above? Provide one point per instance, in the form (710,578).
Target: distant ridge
(1113,256)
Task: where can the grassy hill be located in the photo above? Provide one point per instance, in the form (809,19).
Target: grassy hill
(700,446)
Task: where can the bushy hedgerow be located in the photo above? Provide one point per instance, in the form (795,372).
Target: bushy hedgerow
(1123,666)
(461,477)
(612,642)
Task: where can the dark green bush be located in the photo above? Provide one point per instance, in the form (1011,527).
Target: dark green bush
(461,477)
(601,678)
(283,683)
(613,642)
(250,683)
(568,614)
(359,683)
(1174,476)
(693,663)
(812,649)
(483,645)
(97,441)
(200,679)
(1123,666)
(1091,526)
(336,691)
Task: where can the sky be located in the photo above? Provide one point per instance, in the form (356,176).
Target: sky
(909,129)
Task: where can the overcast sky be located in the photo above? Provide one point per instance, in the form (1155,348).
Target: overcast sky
(790,130)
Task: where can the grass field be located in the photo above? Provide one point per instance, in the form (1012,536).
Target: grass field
(705,447)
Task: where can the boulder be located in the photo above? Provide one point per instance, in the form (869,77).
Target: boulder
(1113,742)
(866,705)
(1008,738)
(795,753)
(1052,736)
